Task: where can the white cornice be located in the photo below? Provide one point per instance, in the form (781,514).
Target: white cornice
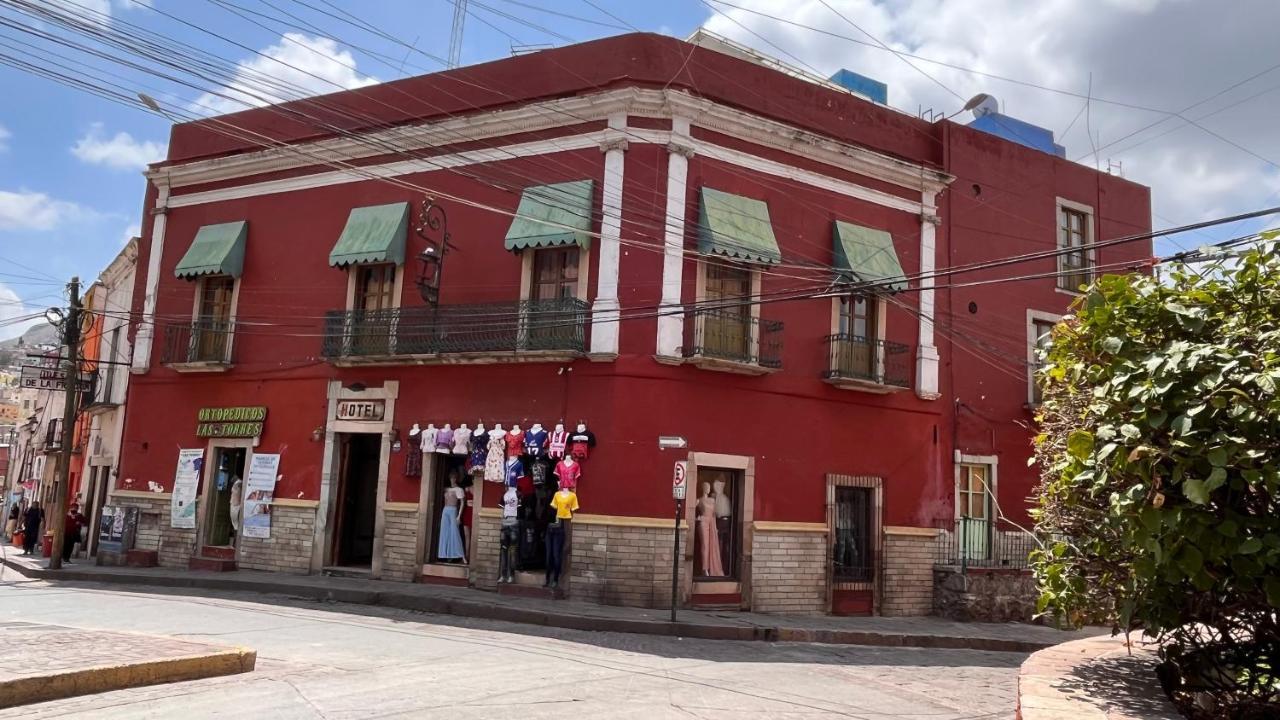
(551,114)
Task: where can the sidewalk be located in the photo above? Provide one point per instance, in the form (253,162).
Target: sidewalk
(929,632)
(47,662)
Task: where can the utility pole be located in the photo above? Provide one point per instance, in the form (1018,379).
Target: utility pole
(71,365)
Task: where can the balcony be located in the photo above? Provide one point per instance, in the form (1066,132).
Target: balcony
(731,340)
(52,436)
(198,346)
(858,363)
(525,331)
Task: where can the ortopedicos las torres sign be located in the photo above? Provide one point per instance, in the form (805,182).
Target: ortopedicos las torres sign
(233,422)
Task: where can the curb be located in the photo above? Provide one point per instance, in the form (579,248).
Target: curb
(105,678)
(485,611)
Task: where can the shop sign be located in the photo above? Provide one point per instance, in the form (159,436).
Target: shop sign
(678,484)
(44,378)
(230,422)
(259,492)
(368,410)
(186,478)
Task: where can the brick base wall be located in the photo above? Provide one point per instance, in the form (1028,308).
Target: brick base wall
(173,545)
(907,587)
(789,573)
(400,530)
(484,564)
(289,547)
(621,565)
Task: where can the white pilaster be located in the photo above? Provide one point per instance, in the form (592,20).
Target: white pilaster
(605,309)
(147,330)
(927,352)
(670,320)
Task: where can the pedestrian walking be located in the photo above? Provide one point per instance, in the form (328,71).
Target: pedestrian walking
(11,524)
(31,527)
(71,531)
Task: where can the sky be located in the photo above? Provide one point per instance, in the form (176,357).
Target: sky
(1181,95)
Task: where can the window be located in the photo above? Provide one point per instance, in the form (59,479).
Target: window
(1075,237)
(857,324)
(1039,327)
(719,527)
(852,549)
(726,323)
(109,372)
(373,303)
(212,328)
(975,490)
(555,274)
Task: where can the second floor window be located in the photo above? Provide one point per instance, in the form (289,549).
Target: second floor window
(375,287)
(555,274)
(727,320)
(1075,264)
(1040,329)
(215,299)
(857,323)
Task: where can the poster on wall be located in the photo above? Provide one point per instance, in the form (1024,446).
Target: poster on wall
(259,491)
(182,509)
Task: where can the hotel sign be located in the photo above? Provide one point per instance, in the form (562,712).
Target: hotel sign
(230,422)
(368,410)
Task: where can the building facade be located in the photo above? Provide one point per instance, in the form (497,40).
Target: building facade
(629,238)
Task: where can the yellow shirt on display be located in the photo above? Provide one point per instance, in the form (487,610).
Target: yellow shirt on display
(565,502)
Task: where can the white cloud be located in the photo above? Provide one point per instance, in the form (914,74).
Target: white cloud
(312,65)
(1124,44)
(4,138)
(24,210)
(120,151)
(11,307)
(130,233)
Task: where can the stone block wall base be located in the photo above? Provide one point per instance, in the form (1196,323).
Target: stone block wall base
(211,564)
(140,558)
(984,595)
(907,581)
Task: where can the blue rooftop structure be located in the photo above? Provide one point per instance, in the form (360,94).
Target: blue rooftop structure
(863,85)
(1023,133)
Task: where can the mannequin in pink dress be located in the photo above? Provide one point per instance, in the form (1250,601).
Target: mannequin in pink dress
(708,538)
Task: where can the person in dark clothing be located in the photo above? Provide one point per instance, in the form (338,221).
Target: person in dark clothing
(11,525)
(71,531)
(31,527)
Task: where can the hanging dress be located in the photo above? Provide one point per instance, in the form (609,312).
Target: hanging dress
(461,441)
(709,552)
(495,459)
(479,451)
(450,545)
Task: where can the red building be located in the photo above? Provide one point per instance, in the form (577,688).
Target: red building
(638,235)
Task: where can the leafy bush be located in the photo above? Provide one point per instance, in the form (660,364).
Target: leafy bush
(1160,466)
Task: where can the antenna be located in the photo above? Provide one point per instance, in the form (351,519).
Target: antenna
(455,37)
(1115,167)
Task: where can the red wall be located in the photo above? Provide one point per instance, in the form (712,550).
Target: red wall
(1004,203)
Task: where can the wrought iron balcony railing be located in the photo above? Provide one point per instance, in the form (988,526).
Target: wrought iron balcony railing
(733,335)
(879,362)
(525,326)
(199,341)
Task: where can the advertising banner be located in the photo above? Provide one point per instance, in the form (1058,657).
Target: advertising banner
(182,510)
(259,491)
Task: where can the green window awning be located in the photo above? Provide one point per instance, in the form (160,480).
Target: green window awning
(551,215)
(217,250)
(374,234)
(865,254)
(736,227)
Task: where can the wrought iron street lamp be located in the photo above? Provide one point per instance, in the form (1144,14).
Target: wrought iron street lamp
(433,227)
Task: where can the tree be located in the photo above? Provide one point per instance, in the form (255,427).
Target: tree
(1160,467)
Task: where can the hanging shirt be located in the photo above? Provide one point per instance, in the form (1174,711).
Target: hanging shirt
(534,442)
(538,468)
(515,471)
(524,486)
(568,474)
(515,443)
(566,503)
(444,441)
(510,503)
(580,444)
(559,441)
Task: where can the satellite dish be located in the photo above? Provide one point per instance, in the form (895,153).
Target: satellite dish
(983,104)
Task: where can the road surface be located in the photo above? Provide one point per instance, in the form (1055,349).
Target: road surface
(318,660)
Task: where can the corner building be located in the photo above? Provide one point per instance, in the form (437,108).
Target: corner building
(644,237)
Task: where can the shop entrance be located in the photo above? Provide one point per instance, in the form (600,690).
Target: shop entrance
(357,497)
(225,497)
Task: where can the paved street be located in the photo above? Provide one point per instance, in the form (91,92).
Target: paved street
(335,661)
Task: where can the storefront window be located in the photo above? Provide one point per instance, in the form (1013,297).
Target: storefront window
(718,534)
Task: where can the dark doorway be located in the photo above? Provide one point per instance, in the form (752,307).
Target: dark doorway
(228,471)
(357,499)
